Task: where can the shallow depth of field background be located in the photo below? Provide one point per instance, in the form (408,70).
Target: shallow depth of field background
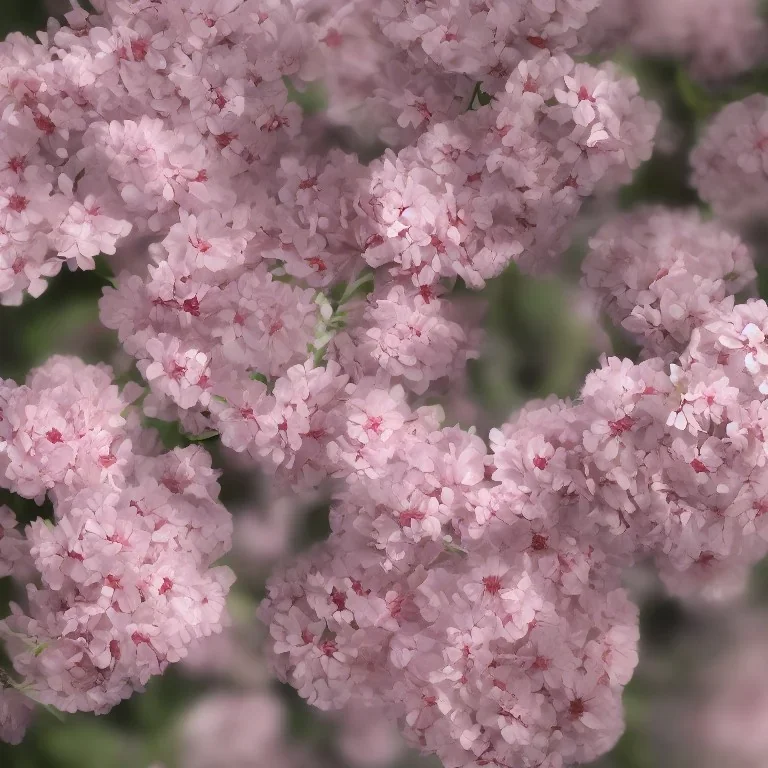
(542,338)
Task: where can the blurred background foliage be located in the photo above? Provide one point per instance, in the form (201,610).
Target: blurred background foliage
(541,340)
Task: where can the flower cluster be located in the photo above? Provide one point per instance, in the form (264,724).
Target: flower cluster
(489,656)
(661,273)
(124,581)
(260,330)
(484,40)
(294,300)
(730,161)
(111,124)
(729,696)
(478,594)
(502,183)
(64,430)
(716,40)
(249,726)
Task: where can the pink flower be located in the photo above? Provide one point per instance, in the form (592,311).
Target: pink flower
(661,273)
(178,371)
(15,715)
(729,161)
(13,546)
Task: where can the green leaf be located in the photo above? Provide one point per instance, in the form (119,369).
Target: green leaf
(481,96)
(697,98)
(104,270)
(54,329)
(454,549)
(364,281)
(90,743)
(209,434)
(312,100)
(54,712)
(170,434)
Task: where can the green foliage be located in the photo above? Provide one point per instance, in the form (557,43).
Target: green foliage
(697,98)
(534,347)
(480,96)
(17,16)
(311,100)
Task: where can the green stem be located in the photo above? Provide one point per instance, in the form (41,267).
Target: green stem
(475,94)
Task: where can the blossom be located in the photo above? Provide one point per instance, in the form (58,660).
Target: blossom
(177,370)
(465,38)
(228,721)
(152,138)
(500,184)
(729,159)
(62,430)
(661,274)
(124,572)
(413,339)
(716,40)
(13,547)
(15,715)
(144,591)
(297,305)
